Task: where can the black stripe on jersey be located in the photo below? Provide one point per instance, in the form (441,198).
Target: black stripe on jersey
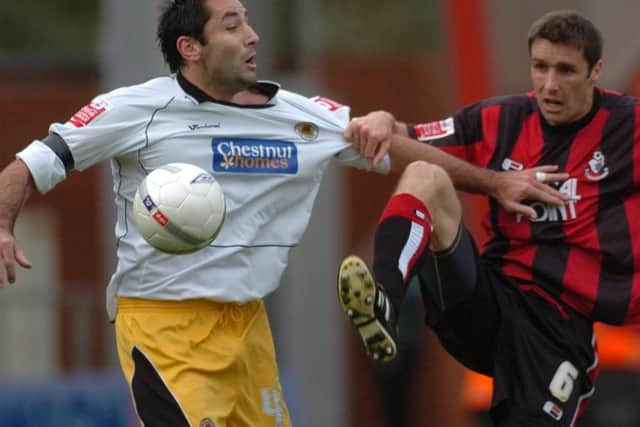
(155,404)
(615,284)
(58,146)
(550,262)
(511,123)
(513,115)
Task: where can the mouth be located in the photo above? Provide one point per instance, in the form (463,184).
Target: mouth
(251,62)
(552,105)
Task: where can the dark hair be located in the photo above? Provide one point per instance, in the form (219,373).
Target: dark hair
(180,18)
(569,27)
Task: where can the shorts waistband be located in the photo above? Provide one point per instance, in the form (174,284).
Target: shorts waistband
(128,305)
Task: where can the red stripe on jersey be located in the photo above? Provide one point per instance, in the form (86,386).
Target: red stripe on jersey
(582,273)
(579,263)
(527,150)
(518,260)
(479,152)
(632,209)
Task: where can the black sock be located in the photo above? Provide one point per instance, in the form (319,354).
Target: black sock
(401,240)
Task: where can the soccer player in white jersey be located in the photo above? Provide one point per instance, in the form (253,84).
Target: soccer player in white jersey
(192,334)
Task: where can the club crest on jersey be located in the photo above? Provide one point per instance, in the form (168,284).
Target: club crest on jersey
(434,130)
(88,113)
(307,131)
(597,169)
(256,156)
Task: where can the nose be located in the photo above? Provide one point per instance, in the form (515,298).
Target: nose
(252,36)
(551,81)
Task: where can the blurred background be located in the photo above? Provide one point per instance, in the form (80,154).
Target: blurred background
(420,59)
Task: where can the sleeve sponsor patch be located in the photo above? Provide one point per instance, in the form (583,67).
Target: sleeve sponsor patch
(88,113)
(434,130)
(327,103)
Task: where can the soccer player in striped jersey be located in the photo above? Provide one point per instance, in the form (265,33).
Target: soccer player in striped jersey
(561,166)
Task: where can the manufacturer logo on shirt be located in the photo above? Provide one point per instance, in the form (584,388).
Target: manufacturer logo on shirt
(198,126)
(434,130)
(597,169)
(88,113)
(259,156)
(511,165)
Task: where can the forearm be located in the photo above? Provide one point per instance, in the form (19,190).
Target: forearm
(16,185)
(465,176)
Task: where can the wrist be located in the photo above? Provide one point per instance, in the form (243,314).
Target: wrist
(399,128)
(492,182)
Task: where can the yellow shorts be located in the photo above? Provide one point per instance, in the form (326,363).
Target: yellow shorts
(200,363)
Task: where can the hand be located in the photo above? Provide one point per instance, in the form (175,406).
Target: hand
(511,188)
(371,134)
(10,253)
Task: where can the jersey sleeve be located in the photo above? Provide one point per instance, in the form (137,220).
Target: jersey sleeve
(467,134)
(352,158)
(111,125)
(349,156)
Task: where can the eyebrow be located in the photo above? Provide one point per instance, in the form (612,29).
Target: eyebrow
(233,13)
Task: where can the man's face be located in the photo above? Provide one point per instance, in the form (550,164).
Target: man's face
(562,81)
(230,51)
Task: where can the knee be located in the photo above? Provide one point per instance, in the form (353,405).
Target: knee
(426,181)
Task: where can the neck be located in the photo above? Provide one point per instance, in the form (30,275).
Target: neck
(199,79)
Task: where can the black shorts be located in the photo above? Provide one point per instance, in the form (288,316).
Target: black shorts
(540,353)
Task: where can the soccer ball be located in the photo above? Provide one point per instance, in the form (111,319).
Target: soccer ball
(179,208)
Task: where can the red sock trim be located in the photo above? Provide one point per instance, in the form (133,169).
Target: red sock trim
(407,206)
(414,210)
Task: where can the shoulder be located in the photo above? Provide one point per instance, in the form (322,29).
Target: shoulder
(151,94)
(512,104)
(523,101)
(611,99)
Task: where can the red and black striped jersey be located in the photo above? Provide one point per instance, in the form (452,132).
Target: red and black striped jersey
(587,252)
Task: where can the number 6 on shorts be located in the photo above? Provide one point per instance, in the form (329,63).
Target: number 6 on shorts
(561,385)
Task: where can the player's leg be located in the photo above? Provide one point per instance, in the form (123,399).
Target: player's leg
(423,215)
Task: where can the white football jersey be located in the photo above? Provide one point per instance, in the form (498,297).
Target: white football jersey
(269,160)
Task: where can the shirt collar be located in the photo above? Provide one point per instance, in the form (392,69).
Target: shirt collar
(267,88)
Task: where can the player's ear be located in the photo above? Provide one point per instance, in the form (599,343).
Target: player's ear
(596,70)
(189,48)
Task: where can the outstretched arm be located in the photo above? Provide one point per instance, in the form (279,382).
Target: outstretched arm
(510,189)
(16,185)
